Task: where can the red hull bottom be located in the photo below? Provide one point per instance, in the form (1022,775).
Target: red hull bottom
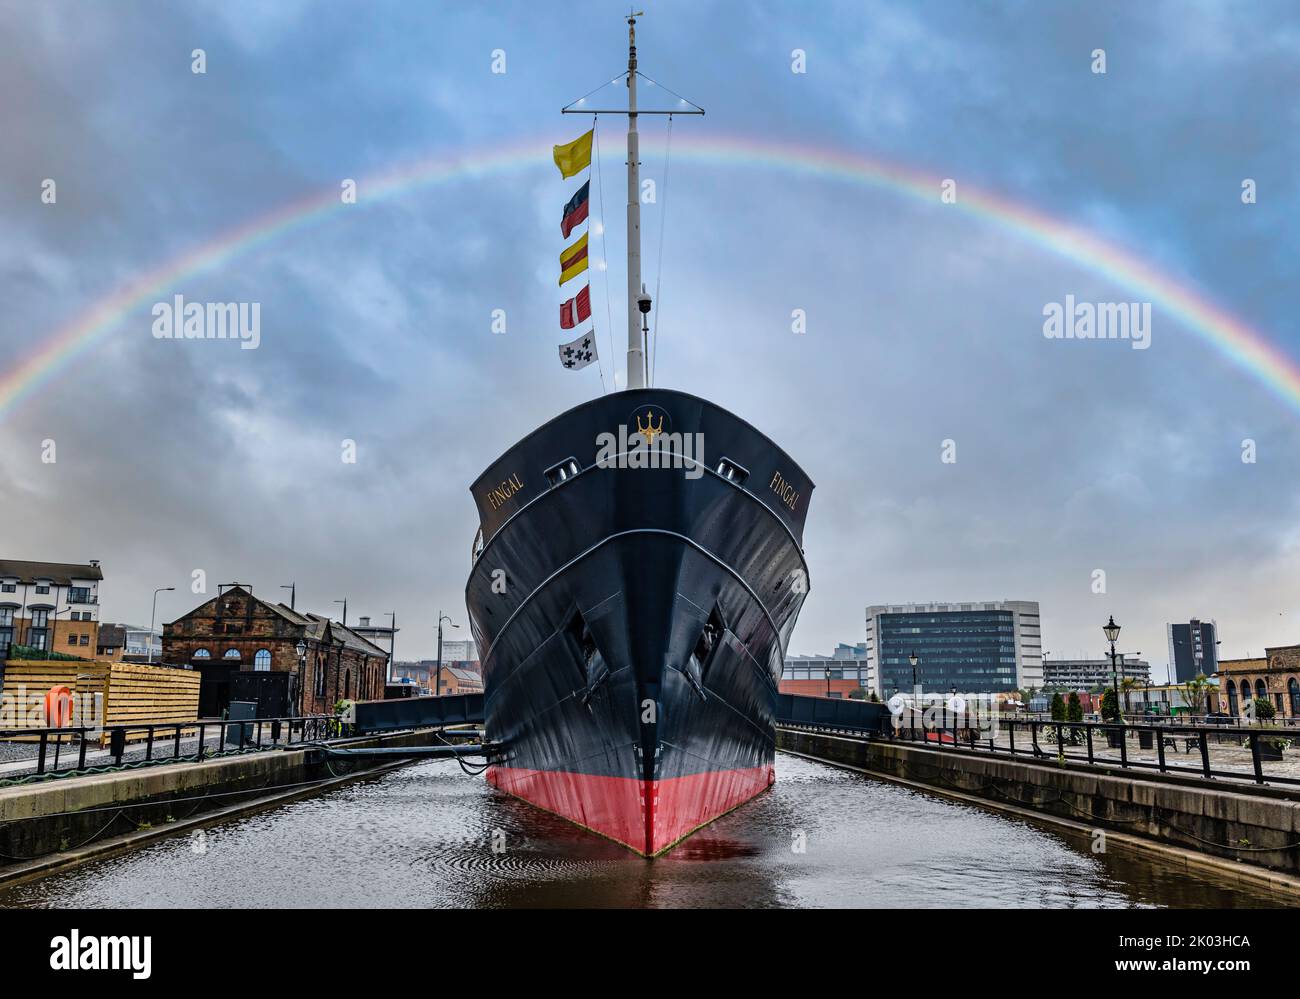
(647,816)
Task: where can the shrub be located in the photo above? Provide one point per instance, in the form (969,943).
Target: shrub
(1263,709)
(1109,706)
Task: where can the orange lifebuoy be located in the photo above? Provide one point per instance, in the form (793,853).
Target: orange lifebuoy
(58,706)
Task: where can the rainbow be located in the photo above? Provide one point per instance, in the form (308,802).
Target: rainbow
(1237,341)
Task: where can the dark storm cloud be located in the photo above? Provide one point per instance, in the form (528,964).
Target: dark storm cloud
(924,323)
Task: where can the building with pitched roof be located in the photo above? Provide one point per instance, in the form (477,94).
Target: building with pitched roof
(290,662)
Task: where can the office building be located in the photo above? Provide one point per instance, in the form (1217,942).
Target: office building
(971,647)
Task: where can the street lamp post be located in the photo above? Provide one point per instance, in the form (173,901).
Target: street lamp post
(1111,630)
(437,689)
(916,690)
(301,649)
(828,682)
(153,615)
(392,647)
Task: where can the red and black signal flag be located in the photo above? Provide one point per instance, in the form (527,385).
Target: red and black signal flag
(575,212)
(576,309)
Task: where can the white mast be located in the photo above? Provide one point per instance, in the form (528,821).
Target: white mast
(635,358)
(638,302)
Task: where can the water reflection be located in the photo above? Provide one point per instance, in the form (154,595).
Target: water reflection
(431,836)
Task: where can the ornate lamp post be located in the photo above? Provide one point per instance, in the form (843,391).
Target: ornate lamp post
(301,649)
(1111,630)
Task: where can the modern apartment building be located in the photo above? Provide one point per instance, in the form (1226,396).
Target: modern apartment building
(1088,674)
(984,647)
(49,606)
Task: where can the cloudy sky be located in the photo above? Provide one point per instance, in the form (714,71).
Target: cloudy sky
(924,319)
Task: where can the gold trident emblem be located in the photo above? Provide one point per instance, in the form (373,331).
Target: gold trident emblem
(650,431)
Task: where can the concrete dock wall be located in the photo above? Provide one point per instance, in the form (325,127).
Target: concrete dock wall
(1260,827)
(65,814)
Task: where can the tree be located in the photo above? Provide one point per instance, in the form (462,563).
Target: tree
(1262,708)
(1127,686)
(1074,709)
(1058,706)
(857,694)
(1195,691)
(1109,706)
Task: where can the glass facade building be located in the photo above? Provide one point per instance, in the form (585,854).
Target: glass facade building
(971,647)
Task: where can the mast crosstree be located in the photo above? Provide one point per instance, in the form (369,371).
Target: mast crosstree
(638,302)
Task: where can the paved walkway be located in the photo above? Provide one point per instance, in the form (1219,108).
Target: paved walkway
(21,757)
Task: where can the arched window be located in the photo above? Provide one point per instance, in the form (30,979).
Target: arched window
(1293,692)
(1261,691)
(347,684)
(1245,695)
(262,660)
(1232,699)
(231,654)
(201,654)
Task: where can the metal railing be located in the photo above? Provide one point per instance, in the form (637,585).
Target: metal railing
(1080,743)
(162,742)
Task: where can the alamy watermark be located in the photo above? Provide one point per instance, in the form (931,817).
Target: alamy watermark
(937,711)
(1098,321)
(182,320)
(59,707)
(650,446)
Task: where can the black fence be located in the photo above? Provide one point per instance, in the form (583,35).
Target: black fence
(1082,742)
(55,749)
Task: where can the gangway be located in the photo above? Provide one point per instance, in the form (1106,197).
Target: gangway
(467,709)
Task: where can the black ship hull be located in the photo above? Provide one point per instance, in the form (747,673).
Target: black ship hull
(632,620)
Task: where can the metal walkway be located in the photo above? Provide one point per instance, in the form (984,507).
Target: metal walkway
(467,709)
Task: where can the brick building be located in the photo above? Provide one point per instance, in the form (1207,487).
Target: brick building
(50,606)
(460,677)
(839,689)
(236,634)
(1276,676)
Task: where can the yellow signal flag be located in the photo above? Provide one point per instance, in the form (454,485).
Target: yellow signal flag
(575,156)
(573,261)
